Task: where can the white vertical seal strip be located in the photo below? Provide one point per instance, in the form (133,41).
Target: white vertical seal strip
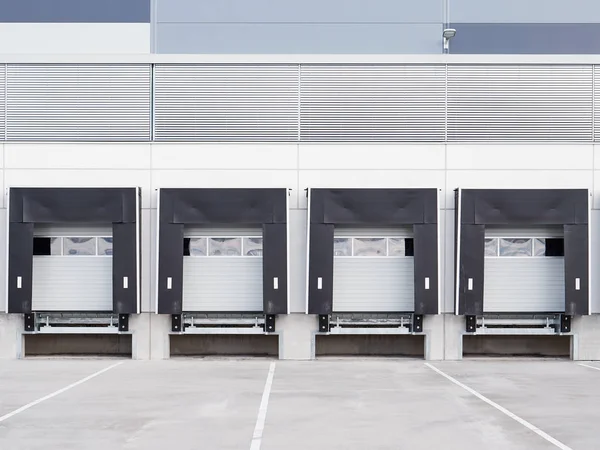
(262,410)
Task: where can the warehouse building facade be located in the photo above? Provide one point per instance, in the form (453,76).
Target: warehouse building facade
(299,179)
(429,206)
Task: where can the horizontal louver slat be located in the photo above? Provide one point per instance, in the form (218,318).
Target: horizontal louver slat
(372,103)
(491,103)
(226,102)
(70,102)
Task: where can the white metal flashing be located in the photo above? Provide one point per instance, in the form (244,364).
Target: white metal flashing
(157,282)
(308,193)
(457,251)
(145,58)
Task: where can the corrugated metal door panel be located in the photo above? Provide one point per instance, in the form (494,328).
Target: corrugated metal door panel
(372,103)
(2,101)
(519,103)
(226,102)
(373,284)
(222,284)
(72,283)
(524,284)
(72,230)
(525,232)
(78,102)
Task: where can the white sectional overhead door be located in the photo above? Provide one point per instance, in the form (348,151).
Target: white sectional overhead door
(222,270)
(524,271)
(72,269)
(373,270)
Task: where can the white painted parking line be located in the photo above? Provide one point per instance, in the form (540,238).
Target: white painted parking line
(60,391)
(503,410)
(262,411)
(588,366)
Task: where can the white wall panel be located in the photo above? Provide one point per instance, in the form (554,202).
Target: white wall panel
(515,179)
(371,156)
(447,247)
(596,156)
(596,190)
(80,178)
(595,260)
(297,260)
(146,269)
(224,156)
(369,179)
(226,179)
(72,38)
(519,156)
(3,258)
(77,156)
(151,248)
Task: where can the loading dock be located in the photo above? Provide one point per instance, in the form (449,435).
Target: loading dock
(522,260)
(73,259)
(373,261)
(222,260)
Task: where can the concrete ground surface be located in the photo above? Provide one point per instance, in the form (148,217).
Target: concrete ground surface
(278,405)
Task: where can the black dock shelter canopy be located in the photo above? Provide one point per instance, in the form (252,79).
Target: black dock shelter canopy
(478,208)
(222,207)
(329,208)
(56,205)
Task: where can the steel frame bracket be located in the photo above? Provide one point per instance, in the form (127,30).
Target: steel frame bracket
(471,324)
(417,323)
(29,322)
(565,324)
(123,322)
(177,323)
(323,323)
(270,323)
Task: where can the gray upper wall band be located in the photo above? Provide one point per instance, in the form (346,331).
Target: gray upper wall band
(299,38)
(526,38)
(525,11)
(75,11)
(300,11)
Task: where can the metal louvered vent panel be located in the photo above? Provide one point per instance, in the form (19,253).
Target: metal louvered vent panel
(226,102)
(372,103)
(519,103)
(596,70)
(86,102)
(2,101)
